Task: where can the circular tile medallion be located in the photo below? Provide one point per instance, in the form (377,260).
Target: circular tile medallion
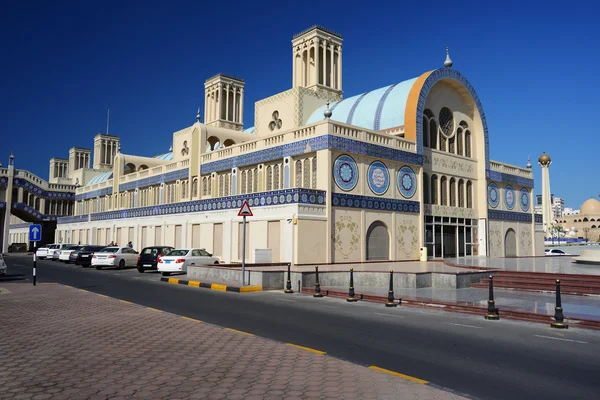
(345,172)
(509,197)
(524,199)
(493,196)
(407,182)
(378,178)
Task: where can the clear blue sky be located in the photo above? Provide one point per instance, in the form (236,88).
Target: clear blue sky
(64,63)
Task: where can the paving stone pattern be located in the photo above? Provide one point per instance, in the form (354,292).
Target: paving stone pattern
(59,342)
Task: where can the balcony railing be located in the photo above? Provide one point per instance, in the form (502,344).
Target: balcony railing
(511,169)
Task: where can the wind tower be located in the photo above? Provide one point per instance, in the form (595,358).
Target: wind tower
(544,161)
(317,59)
(224,102)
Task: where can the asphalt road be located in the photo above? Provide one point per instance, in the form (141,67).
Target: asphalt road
(467,354)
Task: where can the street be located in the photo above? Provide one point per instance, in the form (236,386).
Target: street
(467,354)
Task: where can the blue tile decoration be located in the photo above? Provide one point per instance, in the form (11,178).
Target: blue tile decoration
(524,199)
(353,109)
(287,196)
(38,191)
(345,172)
(407,182)
(493,195)
(20,226)
(378,178)
(509,216)
(508,178)
(432,79)
(538,218)
(155,180)
(73,219)
(331,142)
(33,212)
(509,197)
(2,204)
(374,203)
(107,191)
(377,123)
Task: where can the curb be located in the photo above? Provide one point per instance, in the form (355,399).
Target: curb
(213,286)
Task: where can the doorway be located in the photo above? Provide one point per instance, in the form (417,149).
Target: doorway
(378,242)
(510,243)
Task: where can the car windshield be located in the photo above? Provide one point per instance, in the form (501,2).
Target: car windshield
(109,250)
(150,250)
(177,253)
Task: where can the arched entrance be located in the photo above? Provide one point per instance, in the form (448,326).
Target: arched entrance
(510,243)
(378,242)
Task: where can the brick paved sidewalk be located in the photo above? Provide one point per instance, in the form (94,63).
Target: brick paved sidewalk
(59,342)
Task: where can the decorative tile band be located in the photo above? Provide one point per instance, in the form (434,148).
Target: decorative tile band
(73,219)
(313,144)
(377,124)
(374,203)
(33,212)
(20,226)
(155,180)
(107,191)
(36,190)
(509,216)
(274,198)
(353,109)
(508,178)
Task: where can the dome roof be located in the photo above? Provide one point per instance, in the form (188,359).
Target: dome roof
(165,157)
(544,159)
(590,207)
(101,178)
(378,109)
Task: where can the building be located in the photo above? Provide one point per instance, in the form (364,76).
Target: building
(374,176)
(570,211)
(558,206)
(584,224)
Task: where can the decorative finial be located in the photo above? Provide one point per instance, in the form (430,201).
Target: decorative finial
(528,161)
(12,157)
(448,63)
(327,113)
(171,149)
(198,115)
(119,147)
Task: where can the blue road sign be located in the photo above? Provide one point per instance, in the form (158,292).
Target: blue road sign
(35,233)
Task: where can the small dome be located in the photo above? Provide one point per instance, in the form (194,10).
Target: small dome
(545,159)
(590,207)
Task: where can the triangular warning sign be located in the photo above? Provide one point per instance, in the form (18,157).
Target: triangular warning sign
(245,211)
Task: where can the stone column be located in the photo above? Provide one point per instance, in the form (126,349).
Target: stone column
(227,104)
(324,63)
(317,48)
(339,76)
(332,84)
(241,120)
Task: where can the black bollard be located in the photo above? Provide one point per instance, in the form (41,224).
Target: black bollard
(34,270)
(288,285)
(317,284)
(559,318)
(492,312)
(351,297)
(390,301)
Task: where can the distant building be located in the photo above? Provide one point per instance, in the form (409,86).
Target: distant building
(570,211)
(558,206)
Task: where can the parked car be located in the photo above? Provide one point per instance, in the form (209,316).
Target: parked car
(54,253)
(3,267)
(17,247)
(556,252)
(118,257)
(150,256)
(84,255)
(42,252)
(65,255)
(178,260)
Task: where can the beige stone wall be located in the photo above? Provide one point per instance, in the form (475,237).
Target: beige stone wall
(347,232)
(310,241)
(406,243)
(527,245)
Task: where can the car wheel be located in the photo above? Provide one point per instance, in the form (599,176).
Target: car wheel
(166,274)
(141,270)
(121,264)
(216,262)
(98,267)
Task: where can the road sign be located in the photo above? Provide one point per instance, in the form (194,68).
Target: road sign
(245,211)
(35,233)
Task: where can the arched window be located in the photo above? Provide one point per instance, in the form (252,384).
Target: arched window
(459,141)
(269,178)
(221,185)
(298,173)
(227,185)
(255,182)
(434,190)
(451,147)
(276,177)
(469,194)
(425,131)
(195,187)
(426,189)
(453,192)
(444,190)
(306,173)
(314,172)
(244,177)
(593,226)
(461,193)
(468,144)
(585,219)
(250,180)
(433,134)
(443,143)
(209,185)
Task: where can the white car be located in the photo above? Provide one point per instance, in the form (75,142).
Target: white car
(179,259)
(55,249)
(118,257)
(65,254)
(556,252)
(3,267)
(42,252)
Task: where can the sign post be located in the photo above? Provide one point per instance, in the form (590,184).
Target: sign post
(35,235)
(244,212)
